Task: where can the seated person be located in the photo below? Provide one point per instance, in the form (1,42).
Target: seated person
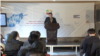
(35,43)
(33,32)
(88,41)
(39,47)
(36,49)
(11,48)
(81,45)
(26,43)
(95,46)
(31,39)
(16,37)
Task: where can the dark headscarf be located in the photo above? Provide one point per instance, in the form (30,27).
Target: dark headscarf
(36,32)
(9,45)
(32,38)
(39,34)
(15,34)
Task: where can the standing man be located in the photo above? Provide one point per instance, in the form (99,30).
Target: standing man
(50,19)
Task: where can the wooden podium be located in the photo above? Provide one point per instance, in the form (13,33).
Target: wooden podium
(52,32)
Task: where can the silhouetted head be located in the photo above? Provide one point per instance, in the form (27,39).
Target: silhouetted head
(15,34)
(32,38)
(36,32)
(92,32)
(50,15)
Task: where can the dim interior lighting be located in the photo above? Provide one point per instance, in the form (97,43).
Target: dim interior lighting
(54,0)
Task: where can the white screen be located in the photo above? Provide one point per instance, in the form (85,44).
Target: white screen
(3,19)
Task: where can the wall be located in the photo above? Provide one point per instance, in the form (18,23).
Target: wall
(21,13)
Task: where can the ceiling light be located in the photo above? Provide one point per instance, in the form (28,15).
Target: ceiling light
(54,0)
(3,7)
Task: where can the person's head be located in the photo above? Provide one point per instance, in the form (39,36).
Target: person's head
(91,32)
(15,34)
(34,52)
(36,32)
(32,38)
(50,15)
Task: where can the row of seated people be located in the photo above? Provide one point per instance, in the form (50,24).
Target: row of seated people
(90,45)
(14,47)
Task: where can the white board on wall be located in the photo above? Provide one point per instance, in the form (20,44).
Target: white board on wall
(74,18)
